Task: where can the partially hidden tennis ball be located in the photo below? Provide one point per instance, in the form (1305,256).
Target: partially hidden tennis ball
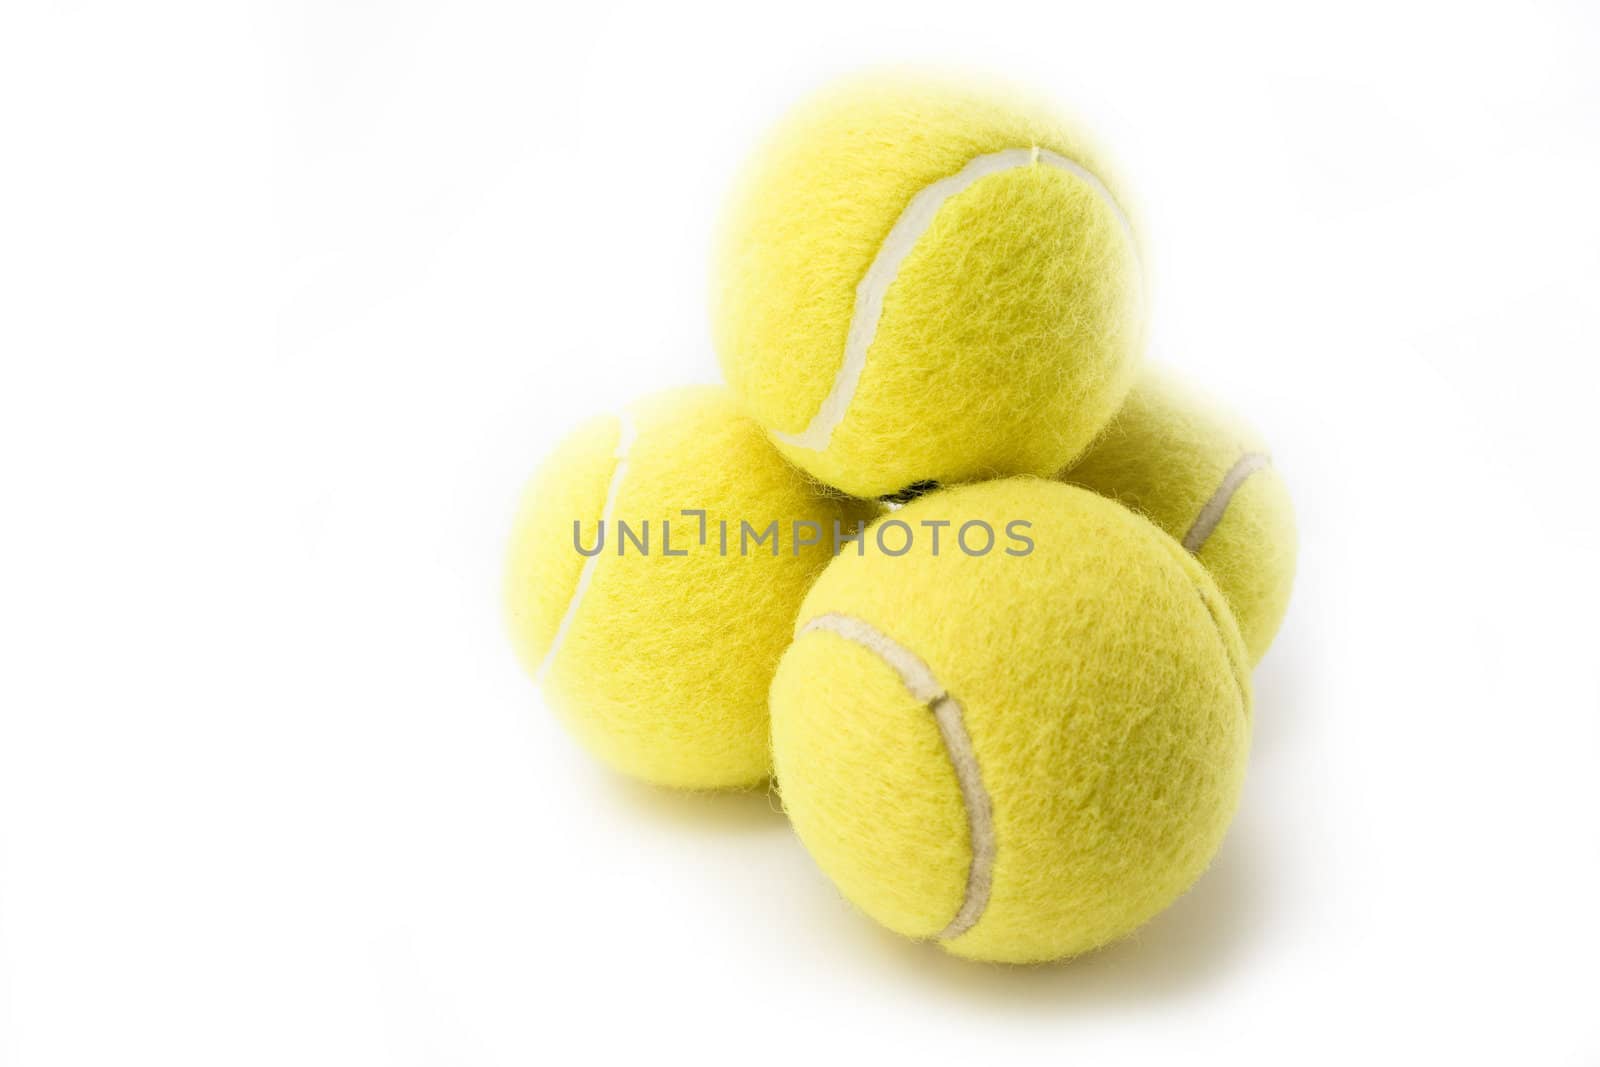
(658,648)
(921,280)
(1023,754)
(1207,479)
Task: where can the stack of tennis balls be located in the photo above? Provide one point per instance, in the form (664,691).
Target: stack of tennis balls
(929,305)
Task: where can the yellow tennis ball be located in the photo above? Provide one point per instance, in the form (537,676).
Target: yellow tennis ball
(926,281)
(1206,478)
(1022,754)
(655,571)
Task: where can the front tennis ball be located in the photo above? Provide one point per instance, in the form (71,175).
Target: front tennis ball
(925,281)
(1021,756)
(1207,479)
(656,567)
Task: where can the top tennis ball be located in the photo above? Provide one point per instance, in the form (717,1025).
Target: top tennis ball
(921,280)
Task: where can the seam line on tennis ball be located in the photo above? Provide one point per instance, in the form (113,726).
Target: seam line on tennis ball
(1239,674)
(625,436)
(921,683)
(1211,514)
(903,236)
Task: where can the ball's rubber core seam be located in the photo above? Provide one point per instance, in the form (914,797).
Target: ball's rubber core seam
(920,682)
(903,236)
(625,435)
(1211,514)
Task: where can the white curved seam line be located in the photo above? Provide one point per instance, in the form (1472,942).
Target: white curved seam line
(920,682)
(625,435)
(1211,514)
(903,236)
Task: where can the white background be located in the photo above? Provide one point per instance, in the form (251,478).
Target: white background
(293,297)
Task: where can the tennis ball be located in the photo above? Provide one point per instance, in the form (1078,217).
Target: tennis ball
(1022,756)
(1203,476)
(927,281)
(658,649)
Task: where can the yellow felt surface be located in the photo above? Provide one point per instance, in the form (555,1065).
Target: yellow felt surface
(1103,685)
(1164,455)
(1011,332)
(665,669)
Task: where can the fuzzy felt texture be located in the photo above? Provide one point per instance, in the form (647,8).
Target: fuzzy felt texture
(1011,330)
(1103,687)
(664,668)
(1165,455)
